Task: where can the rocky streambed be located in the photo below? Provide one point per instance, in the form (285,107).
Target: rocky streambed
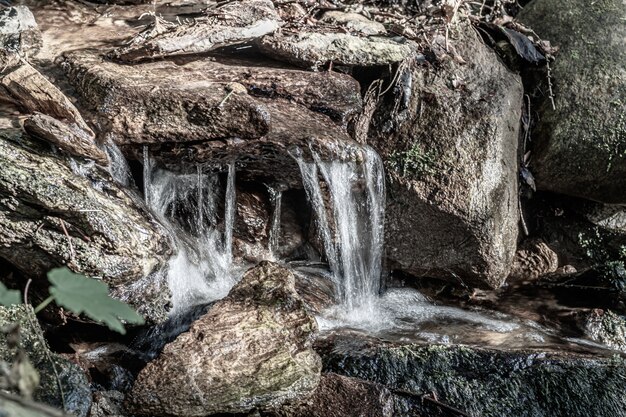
(319,208)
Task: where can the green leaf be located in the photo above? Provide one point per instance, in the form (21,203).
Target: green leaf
(9,297)
(80,294)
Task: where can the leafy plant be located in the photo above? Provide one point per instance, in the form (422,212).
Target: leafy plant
(414,162)
(81,295)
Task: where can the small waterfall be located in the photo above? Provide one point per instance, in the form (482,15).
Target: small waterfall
(118,167)
(187,203)
(356,202)
(274,235)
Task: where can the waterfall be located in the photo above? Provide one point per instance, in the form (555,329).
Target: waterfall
(187,204)
(118,167)
(353,242)
(274,235)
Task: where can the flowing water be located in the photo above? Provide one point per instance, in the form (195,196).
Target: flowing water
(201,270)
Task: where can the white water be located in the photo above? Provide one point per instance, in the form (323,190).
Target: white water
(276,195)
(202,269)
(356,199)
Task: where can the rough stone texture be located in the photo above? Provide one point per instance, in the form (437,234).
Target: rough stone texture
(51,216)
(18,31)
(14,406)
(232,23)
(71,139)
(533,259)
(354,22)
(250,350)
(581,146)
(448,139)
(76,392)
(312,49)
(338,395)
(484,382)
(607,328)
(32,92)
(107,404)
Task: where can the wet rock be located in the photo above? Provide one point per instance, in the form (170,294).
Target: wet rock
(51,216)
(580,146)
(338,395)
(55,373)
(251,350)
(448,139)
(484,382)
(354,22)
(607,328)
(533,259)
(14,406)
(71,139)
(162,102)
(252,217)
(32,92)
(107,404)
(232,23)
(313,50)
(293,129)
(18,31)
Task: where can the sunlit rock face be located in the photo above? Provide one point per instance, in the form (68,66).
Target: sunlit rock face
(449,138)
(55,211)
(580,144)
(251,350)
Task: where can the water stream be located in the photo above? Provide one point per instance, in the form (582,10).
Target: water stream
(187,203)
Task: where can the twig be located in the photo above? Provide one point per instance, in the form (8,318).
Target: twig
(445,406)
(550,83)
(521,215)
(26,290)
(69,240)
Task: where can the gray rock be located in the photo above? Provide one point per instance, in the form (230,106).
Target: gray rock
(313,49)
(71,139)
(232,23)
(56,373)
(581,145)
(251,350)
(533,259)
(107,404)
(449,143)
(14,406)
(607,328)
(51,216)
(18,31)
(354,22)
(484,382)
(338,395)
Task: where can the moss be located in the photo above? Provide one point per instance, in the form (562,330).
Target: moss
(52,368)
(491,383)
(413,163)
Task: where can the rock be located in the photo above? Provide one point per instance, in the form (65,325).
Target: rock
(354,22)
(14,406)
(71,139)
(53,370)
(251,350)
(607,328)
(532,260)
(338,395)
(32,92)
(580,146)
(19,33)
(449,143)
(252,217)
(162,102)
(313,49)
(484,382)
(107,404)
(51,216)
(232,23)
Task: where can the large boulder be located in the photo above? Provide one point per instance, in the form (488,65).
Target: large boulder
(62,383)
(18,31)
(449,138)
(580,145)
(484,382)
(54,211)
(251,350)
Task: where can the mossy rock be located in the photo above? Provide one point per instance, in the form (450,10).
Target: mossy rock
(56,373)
(581,144)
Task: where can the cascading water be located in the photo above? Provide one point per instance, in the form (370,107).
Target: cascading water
(187,203)
(356,199)
(274,234)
